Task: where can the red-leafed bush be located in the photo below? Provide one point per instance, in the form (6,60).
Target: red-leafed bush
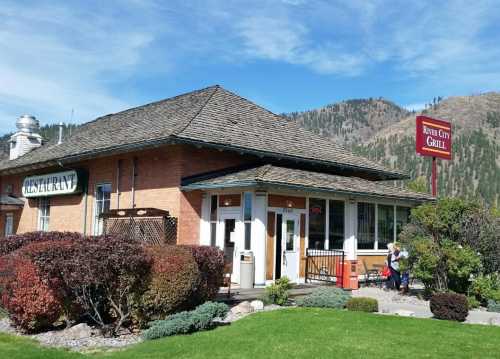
(173,281)
(31,303)
(11,243)
(210,262)
(449,306)
(105,274)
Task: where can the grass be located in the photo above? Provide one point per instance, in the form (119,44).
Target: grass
(302,333)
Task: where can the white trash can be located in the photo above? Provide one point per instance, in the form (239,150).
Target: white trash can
(246,270)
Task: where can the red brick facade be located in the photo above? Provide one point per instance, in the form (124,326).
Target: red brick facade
(158,175)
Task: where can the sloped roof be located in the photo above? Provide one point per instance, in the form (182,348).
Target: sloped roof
(212,116)
(7,200)
(271,176)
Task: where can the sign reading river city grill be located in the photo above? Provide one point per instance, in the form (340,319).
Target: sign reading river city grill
(52,184)
(433,137)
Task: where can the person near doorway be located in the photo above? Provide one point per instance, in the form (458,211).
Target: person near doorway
(394,267)
(387,269)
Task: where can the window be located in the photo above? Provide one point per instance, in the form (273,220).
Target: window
(336,224)
(366,225)
(290,235)
(213,220)
(402,218)
(102,205)
(247,218)
(385,223)
(9,224)
(317,223)
(43,214)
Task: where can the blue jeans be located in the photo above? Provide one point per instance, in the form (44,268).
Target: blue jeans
(395,278)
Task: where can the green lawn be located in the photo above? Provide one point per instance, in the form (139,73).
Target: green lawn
(303,333)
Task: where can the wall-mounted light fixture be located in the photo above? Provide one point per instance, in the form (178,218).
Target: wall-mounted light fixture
(289,203)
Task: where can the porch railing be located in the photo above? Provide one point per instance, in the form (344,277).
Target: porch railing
(325,265)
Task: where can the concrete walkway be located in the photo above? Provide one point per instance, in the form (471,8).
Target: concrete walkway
(390,302)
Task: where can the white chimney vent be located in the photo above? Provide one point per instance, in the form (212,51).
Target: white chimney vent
(26,138)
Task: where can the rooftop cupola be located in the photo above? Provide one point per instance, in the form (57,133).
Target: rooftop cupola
(26,138)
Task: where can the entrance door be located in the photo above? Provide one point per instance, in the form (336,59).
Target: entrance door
(230,240)
(290,247)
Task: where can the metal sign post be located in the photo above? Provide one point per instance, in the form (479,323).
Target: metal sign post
(433,139)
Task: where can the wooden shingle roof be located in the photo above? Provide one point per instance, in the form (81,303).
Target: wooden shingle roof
(213,117)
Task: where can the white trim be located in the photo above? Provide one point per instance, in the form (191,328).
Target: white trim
(95,231)
(9,224)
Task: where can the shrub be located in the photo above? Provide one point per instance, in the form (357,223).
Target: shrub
(277,293)
(486,287)
(173,281)
(362,304)
(11,243)
(210,261)
(493,306)
(325,297)
(31,303)
(202,318)
(473,303)
(449,306)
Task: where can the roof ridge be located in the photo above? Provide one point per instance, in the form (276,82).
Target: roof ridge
(180,130)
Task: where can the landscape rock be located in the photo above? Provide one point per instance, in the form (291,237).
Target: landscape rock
(404,313)
(242,308)
(257,305)
(79,331)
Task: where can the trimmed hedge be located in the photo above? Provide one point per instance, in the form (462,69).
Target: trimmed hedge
(11,243)
(31,303)
(202,318)
(325,297)
(362,304)
(210,261)
(449,306)
(173,282)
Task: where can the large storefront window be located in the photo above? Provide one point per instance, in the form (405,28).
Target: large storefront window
(317,223)
(247,218)
(336,224)
(402,218)
(385,225)
(43,214)
(366,226)
(389,220)
(102,205)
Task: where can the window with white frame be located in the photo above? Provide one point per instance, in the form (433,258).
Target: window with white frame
(380,224)
(102,205)
(214,205)
(9,224)
(326,223)
(247,218)
(43,214)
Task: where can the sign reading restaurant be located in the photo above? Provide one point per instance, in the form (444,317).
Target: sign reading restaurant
(433,137)
(52,184)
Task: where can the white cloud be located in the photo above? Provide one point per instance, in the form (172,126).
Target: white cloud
(281,39)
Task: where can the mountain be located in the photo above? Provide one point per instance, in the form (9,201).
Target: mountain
(381,130)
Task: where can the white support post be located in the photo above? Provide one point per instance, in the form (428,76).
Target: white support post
(258,245)
(205,220)
(350,242)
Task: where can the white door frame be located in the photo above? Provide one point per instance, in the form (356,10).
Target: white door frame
(231,213)
(296,218)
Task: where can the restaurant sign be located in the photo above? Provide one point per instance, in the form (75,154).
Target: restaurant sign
(52,184)
(433,137)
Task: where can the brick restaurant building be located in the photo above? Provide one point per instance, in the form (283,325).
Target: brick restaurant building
(234,175)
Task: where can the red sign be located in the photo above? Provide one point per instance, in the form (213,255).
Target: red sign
(433,137)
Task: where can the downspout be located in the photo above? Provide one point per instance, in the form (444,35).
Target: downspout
(134,174)
(85,208)
(118,175)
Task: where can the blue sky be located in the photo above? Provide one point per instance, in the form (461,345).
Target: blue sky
(104,56)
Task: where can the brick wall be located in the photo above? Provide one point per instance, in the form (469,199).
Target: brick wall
(158,174)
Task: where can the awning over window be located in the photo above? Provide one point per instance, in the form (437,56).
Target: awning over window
(10,203)
(269,176)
